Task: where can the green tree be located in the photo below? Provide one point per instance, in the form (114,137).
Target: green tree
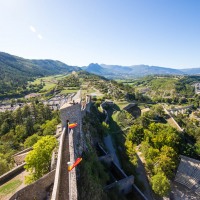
(136,134)
(105,128)
(29,123)
(164,164)
(31,140)
(3,164)
(49,127)
(158,109)
(18,116)
(38,160)
(26,111)
(130,150)
(20,131)
(159,135)
(160,184)
(4,128)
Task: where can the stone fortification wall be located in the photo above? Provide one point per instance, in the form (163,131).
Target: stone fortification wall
(138,192)
(36,190)
(72,174)
(24,151)
(19,159)
(124,185)
(70,113)
(12,173)
(174,121)
(20,156)
(56,186)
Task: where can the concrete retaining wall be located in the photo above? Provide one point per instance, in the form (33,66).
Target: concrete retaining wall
(36,190)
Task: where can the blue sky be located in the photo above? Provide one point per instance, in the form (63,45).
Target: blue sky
(125,32)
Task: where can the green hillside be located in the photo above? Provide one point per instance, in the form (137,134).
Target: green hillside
(16,71)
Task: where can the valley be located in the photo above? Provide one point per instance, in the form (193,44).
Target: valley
(151,121)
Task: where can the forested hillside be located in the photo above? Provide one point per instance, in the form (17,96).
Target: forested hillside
(166,88)
(16,71)
(22,128)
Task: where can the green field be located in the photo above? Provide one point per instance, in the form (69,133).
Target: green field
(67,91)
(121,104)
(11,186)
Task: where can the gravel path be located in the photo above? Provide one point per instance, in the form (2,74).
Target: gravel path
(64,182)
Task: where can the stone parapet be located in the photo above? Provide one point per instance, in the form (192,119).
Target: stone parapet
(72,173)
(55,192)
(10,174)
(36,190)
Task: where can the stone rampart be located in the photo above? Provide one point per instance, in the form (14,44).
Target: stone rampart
(9,175)
(70,113)
(174,121)
(138,192)
(124,185)
(36,190)
(72,174)
(55,192)
(108,159)
(24,151)
(19,159)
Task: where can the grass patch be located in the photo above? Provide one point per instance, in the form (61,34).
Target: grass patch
(67,91)
(11,186)
(48,86)
(121,104)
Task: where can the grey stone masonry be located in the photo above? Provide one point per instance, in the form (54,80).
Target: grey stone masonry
(36,190)
(10,174)
(70,112)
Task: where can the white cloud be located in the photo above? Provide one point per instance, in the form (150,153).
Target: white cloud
(40,36)
(32,28)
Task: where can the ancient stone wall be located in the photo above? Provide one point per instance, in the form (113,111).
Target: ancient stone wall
(55,192)
(70,113)
(19,159)
(12,173)
(72,174)
(36,190)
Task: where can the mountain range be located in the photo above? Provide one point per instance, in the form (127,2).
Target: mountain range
(11,66)
(118,71)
